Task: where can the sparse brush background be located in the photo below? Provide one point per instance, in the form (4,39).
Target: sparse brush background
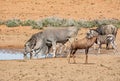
(59,22)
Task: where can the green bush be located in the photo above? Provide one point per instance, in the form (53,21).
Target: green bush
(57,22)
(117,24)
(60,22)
(85,23)
(13,23)
(28,23)
(106,22)
(51,21)
(37,25)
(69,22)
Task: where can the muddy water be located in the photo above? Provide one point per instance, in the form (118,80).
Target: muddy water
(17,54)
(10,54)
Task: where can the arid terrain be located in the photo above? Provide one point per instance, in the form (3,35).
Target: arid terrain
(75,9)
(101,67)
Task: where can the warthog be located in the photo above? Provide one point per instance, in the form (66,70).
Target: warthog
(49,38)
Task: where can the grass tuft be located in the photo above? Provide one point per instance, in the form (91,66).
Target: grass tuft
(60,22)
(13,23)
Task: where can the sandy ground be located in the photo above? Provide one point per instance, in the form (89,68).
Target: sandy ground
(75,9)
(102,67)
(15,37)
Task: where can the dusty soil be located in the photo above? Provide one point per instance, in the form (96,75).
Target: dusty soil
(102,67)
(75,9)
(15,37)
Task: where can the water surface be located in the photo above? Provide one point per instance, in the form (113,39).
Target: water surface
(17,54)
(10,54)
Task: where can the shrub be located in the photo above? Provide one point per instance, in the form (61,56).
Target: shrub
(13,23)
(85,23)
(69,22)
(60,22)
(106,22)
(117,24)
(28,23)
(37,25)
(102,22)
(52,21)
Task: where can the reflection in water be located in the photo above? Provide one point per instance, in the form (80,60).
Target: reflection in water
(8,54)
(17,54)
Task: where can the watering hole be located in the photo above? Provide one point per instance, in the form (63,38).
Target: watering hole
(11,54)
(17,54)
